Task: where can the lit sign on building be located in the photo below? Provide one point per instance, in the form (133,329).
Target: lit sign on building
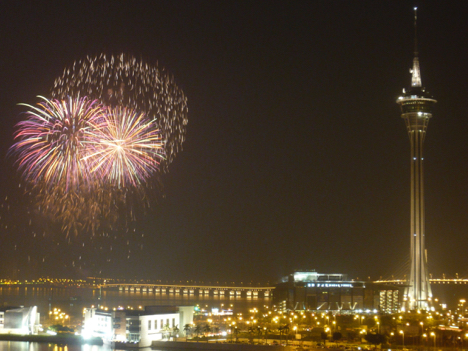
(329,285)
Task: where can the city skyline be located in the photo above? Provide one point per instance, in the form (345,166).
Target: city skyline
(294,156)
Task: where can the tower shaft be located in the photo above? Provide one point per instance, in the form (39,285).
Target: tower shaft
(419,289)
(416,107)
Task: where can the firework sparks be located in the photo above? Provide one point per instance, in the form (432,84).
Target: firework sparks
(129,148)
(125,81)
(53,141)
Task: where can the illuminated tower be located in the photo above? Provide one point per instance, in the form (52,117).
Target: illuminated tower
(416,107)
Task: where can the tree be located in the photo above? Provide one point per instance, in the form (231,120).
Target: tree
(197,331)
(186,330)
(175,331)
(285,329)
(206,329)
(251,331)
(166,331)
(58,328)
(375,339)
(336,336)
(259,333)
(352,335)
(266,335)
(324,336)
(236,333)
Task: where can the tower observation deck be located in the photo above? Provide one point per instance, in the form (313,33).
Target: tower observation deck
(416,108)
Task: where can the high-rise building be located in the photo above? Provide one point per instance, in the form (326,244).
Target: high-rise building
(416,107)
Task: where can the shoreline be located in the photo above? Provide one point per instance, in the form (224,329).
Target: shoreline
(183,345)
(55,339)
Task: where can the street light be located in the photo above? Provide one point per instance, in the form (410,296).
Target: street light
(434,335)
(403,333)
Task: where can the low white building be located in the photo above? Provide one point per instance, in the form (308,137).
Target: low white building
(19,320)
(142,326)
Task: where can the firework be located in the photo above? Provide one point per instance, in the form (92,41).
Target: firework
(86,163)
(53,141)
(129,148)
(50,152)
(125,81)
(92,153)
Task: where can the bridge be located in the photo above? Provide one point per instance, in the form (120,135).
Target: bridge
(199,290)
(431,280)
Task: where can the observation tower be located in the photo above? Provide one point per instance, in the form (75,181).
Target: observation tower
(416,109)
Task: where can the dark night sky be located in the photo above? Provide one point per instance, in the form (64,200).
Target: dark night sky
(295,154)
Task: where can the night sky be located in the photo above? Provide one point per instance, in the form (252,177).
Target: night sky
(295,155)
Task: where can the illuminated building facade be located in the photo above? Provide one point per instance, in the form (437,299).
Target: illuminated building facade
(19,320)
(137,326)
(312,291)
(416,108)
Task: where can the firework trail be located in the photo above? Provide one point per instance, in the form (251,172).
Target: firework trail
(123,80)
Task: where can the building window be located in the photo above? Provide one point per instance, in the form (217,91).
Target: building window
(149,325)
(162,325)
(173,322)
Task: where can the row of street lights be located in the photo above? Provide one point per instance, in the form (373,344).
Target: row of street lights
(424,335)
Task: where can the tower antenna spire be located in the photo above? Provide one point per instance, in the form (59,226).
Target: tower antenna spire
(415,72)
(415,31)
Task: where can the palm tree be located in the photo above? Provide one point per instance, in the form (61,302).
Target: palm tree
(166,330)
(197,331)
(175,331)
(259,333)
(207,329)
(251,331)
(236,332)
(266,335)
(186,330)
(286,333)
